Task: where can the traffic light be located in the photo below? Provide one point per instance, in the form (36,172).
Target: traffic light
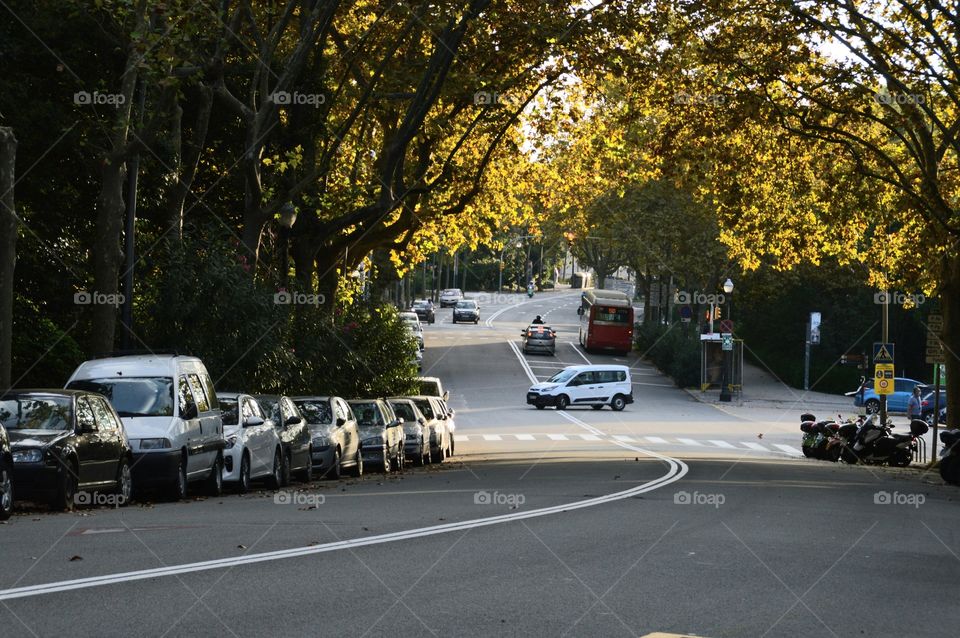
(717,314)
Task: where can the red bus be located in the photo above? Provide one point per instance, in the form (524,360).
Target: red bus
(606,321)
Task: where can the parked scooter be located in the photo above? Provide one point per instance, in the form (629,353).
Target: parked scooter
(875,443)
(950,456)
(826,440)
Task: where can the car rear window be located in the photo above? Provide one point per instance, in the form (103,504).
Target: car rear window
(231,411)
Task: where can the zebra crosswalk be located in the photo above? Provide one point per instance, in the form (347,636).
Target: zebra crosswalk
(777,448)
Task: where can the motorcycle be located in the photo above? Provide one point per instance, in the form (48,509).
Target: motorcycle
(874,443)
(825,440)
(950,456)
(530,290)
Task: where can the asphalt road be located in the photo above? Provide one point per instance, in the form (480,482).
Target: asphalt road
(661,518)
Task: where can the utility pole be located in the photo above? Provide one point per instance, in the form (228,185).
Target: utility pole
(885,339)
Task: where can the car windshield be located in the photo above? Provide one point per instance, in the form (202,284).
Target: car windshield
(32,412)
(421,304)
(563,375)
(367,414)
(230,410)
(451,292)
(404,410)
(133,396)
(270,407)
(316,412)
(470,305)
(430,388)
(425,407)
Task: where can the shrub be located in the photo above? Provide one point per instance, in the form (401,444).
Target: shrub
(674,350)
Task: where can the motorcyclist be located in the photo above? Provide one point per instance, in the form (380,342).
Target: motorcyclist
(537,321)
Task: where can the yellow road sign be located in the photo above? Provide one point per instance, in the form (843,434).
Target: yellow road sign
(883,378)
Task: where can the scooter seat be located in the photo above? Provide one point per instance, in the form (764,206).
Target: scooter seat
(901,437)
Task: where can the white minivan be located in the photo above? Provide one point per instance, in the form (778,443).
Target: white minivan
(171,415)
(593,385)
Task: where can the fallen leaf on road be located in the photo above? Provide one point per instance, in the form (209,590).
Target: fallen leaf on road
(75,558)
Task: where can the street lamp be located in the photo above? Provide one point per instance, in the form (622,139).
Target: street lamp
(725,377)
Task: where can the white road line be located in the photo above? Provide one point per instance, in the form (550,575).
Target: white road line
(557,437)
(754,446)
(589,437)
(723,444)
(655,439)
(624,438)
(492,437)
(525,437)
(580,353)
(677,470)
(788,449)
(690,442)
(460,438)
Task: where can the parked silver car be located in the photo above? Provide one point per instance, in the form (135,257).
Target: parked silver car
(252,446)
(417,432)
(441,438)
(381,433)
(336,437)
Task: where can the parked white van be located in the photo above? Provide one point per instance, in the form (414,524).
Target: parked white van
(171,415)
(593,385)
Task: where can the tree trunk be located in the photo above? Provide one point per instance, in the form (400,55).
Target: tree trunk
(8,251)
(950,335)
(107,256)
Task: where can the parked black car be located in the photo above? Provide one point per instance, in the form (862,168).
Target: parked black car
(294,436)
(68,447)
(424,310)
(6,476)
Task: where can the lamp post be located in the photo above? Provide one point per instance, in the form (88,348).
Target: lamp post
(725,377)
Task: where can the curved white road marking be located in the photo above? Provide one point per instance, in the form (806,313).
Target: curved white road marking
(677,469)
(489,321)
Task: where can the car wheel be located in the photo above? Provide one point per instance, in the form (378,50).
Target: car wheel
(401,459)
(65,498)
(276,477)
(285,471)
(424,453)
(214,482)
(872,406)
(357,469)
(6,491)
(618,403)
(335,469)
(386,461)
(178,489)
(243,485)
(540,406)
(124,482)
(440,454)
(450,453)
(476,321)
(562,402)
(306,474)
(929,419)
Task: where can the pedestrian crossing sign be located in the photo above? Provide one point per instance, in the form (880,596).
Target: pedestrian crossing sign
(883,352)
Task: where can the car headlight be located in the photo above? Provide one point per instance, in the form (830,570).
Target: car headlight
(229,442)
(373,440)
(27,456)
(154,444)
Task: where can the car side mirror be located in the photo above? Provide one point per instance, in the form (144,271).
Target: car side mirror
(399,421)
(421,420)
(446,395)
(252,421)
(189,413)
(294,420)
(341,421)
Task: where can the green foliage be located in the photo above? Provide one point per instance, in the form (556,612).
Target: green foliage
(202,300)
(44,354)
(675,350)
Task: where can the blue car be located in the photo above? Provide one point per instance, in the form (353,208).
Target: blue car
(896,402)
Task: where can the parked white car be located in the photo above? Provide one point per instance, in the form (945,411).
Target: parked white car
(413,323)
(171,415)
(252,446)
(450,297)
(593,385)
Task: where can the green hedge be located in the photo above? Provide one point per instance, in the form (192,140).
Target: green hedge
(675,350)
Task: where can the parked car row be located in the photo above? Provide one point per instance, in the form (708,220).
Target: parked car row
(155,422)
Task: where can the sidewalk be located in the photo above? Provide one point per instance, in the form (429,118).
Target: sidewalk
(762,389)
